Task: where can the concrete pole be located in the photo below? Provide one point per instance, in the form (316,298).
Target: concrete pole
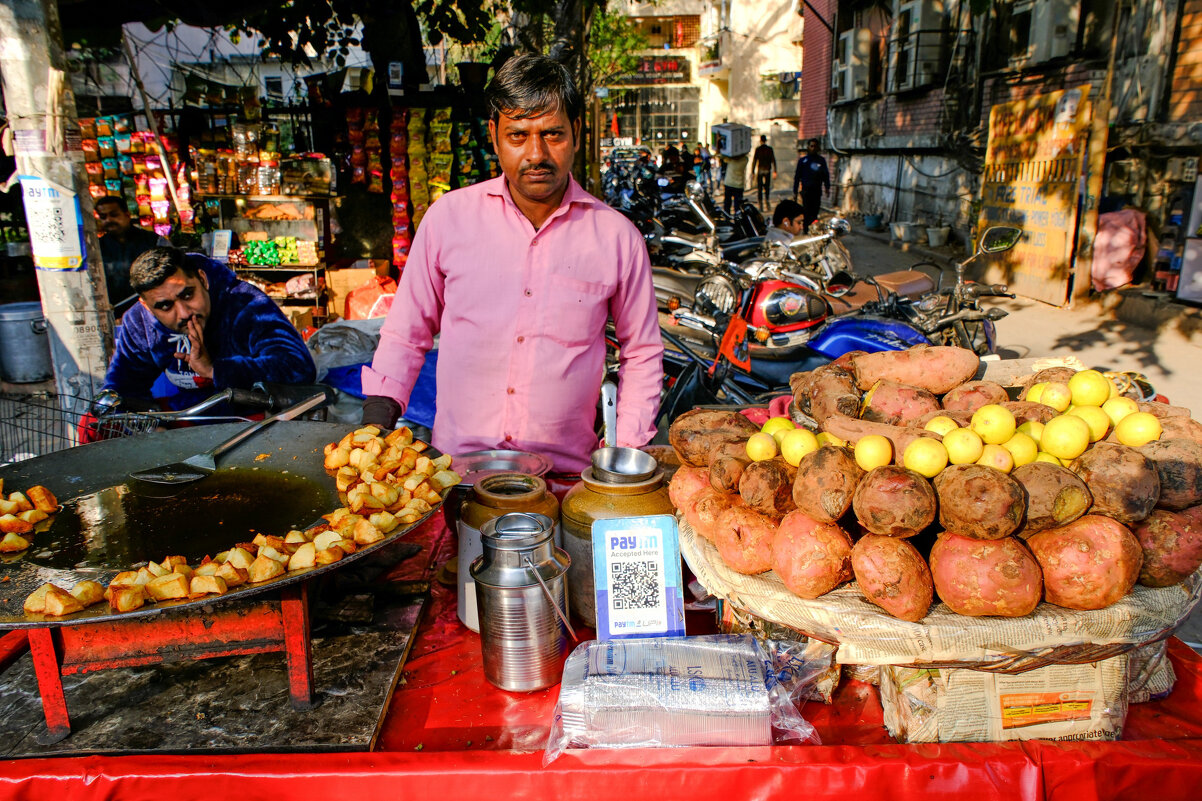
(58,208)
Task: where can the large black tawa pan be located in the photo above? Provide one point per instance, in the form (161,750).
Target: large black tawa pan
(270,484)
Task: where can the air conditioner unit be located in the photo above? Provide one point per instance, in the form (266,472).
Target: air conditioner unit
(915,44)
(849,75)
(1054,25)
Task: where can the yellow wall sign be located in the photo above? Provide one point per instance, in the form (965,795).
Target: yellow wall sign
(1032,179)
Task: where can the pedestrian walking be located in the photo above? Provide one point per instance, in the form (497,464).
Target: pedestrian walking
(764,167)
(733,182)
(702,167)
(813,177)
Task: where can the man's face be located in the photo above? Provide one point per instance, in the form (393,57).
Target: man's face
(112,219)
(178,299)
(813,149)
(793,225)
(536,153)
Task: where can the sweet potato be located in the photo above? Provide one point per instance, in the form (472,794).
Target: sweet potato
(825,483)
(1055,496)
(725,472)
(811,558)
(1058,374)
(850,429)
(985,577)
(892,574)
(1025,411)
(1124,483)
(972,395)
(824,391)
(894,502)
(699,434)
(685,485)
(1179,468)
(1089,563)
(936,369)
(705,509)
(1181,428)
(1162,410)
(897,404)
(744,539)
(979,502)
(767,486)
(1172,546)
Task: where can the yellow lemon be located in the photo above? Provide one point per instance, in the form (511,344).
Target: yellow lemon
(1137,429)
(1089,388)
(1035,392)
(1065,437)
(1049,458)
(1023,448)
(1119,407)
(997,457)
(873,451)
(925,455)
(994,423)
(795,444)
(774,424)
(1056,395)
(963,446)
(1097,420)
(941,424)
(761,446)
(1033,429)
(827,438)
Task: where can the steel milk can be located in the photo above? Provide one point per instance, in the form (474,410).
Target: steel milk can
(522,600)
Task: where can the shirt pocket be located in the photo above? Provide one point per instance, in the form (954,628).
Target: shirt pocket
(578,310)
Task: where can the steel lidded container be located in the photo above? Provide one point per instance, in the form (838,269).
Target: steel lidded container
(521,594)
(24,344)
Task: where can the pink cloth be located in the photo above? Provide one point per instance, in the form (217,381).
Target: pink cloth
(520,316)
(1118,248)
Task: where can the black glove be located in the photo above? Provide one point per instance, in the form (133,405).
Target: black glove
(380,411)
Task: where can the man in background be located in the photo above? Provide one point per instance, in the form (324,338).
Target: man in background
(812,176)
(121,244)
(734,179)
(763,163)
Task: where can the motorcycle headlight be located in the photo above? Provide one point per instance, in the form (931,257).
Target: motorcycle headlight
(793,305)
(716,292)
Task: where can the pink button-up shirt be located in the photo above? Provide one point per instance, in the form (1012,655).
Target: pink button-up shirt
(521,316)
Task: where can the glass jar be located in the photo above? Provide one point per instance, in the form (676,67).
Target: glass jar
(269,177)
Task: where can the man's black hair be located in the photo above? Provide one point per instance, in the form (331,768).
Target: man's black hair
(528,85)
(763,139)
(119,201)
(813,142)
(156,265)
(786,210)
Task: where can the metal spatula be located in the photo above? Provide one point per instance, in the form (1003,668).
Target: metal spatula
(197,467)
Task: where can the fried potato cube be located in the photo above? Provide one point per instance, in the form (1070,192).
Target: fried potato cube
(184,570)
(362,436)
(386,468)
(11,524)
(419,446)
(408,459)
(345,442)
(34,516)
(12,543)
(263,569)
(401,436)
(345,478)
(407,516)
(444,479)
(387,495)
(22,502)
(271,553)
(384,521)
(365,533)
(8,507)
(296,536)
(337,459)
(168,587)
(126,599)
(171,561)
(59,602)
(443,462)
(158,570)
(333,517)
(419,506)
(42,499)
(403,500)
(35,603)
(233,576)
(207,585)
(239,557)
(328,556)
(368,474)
(144,576)
(375,446)
(221,556)
(346,526)
(207,569)
(359,458)
(348,547)
(127,578)
(88,592)
(425,466)
(305,556)
(329,448)
(366,503)
(325,539)
(424,492)
(369,429)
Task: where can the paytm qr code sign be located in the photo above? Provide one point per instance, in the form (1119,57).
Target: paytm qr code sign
(636,569)
(55,225)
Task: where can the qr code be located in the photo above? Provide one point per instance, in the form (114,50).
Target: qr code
(634,585)
(47,227)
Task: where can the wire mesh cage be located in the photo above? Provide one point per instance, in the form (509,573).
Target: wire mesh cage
(35,425)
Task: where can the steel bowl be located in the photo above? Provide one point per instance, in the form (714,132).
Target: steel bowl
(623,465)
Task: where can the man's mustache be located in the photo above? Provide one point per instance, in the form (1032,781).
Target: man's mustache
(545,166)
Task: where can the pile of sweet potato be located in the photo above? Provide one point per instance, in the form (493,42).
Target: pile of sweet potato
(985,542)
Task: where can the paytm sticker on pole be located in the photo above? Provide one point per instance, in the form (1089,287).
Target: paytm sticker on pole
(636,569)
(55,225)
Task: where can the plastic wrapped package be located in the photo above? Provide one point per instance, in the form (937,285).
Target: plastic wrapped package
(719,690)
(733,620)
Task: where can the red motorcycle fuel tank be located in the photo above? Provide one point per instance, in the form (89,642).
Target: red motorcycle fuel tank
(783,307)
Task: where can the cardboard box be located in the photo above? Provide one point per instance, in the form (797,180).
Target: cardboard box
(731,139)
(339,283)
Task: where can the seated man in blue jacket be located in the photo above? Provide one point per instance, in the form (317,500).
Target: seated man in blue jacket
(203,329)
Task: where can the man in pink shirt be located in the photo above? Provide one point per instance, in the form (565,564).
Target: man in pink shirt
(517,276)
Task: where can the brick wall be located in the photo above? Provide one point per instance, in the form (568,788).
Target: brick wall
(917,115)
(1009,89)
(817,52)
(1185,94)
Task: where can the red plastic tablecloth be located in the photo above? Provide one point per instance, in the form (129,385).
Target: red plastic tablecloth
(449,735)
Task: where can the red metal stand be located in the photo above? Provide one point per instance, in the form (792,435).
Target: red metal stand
(257,627)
